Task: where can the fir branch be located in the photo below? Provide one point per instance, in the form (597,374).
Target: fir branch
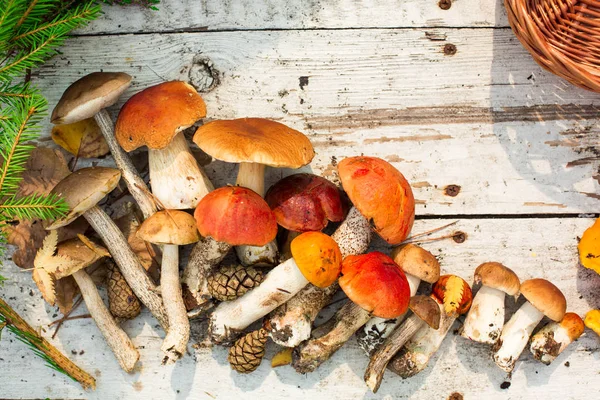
(33,207)
(10,11)
(36,13)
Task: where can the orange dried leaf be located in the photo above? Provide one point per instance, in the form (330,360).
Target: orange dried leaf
(283,357)
(83,138)
(589,247)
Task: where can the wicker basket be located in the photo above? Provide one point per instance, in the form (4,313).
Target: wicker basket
(563,36)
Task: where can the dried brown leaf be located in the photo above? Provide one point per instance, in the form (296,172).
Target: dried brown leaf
(46,284)
(129,225)
(83,139)
(43,170)
(66,289)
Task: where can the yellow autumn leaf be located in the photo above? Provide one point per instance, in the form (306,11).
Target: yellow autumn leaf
(589,247)
(82,138)
(283,357)
(592,320)
(453,294)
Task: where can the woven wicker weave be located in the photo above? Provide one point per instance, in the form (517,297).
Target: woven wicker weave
(563,36)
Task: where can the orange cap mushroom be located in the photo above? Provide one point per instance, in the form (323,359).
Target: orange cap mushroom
(318,257)
(382,195)
(376,283)
(236,215)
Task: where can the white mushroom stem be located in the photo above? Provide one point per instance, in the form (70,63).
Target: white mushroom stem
(515,335)
(206,255)
(417,352)
(291,324)
(346,321)
(393,343)
(486,317)
(230,318)
(133,180)
(376,330)
(175,344)
(549,342)
(128,263)
(122,347)
(176,179)
(252,176)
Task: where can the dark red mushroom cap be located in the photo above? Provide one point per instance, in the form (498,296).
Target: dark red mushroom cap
(376,283)
(305,202)
(236,215)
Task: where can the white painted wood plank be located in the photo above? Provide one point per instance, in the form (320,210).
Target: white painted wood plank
(532,247)
(177,15)
(517,139)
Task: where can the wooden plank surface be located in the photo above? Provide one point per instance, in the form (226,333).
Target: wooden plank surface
(517,139)
(177,15)
(532,247)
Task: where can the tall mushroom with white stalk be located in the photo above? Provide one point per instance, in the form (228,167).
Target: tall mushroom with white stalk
(82,190)
(425,311)
(89,97)
(454,297)
(543,298)
(375,285)
(172,228)
(419,265)
(156,117)
(485,319)
(316,259)
(72,257)
(383,202)
(255,143)
(553,338)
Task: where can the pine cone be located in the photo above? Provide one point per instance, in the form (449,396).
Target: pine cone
(232,281)
(122,303)
(247,352)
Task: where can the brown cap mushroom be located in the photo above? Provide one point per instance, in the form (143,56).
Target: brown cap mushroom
(497,276)
(418,262)
(88,95)
(169,227)
(546,297)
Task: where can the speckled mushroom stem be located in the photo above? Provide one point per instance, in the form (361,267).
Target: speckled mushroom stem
(376,330)
(486,317)
(515,335)
(552,339)
(122,347)
(175,344)
(347,320)
(416,353)
(291,323)
(136,185)
(129,265)
(175,177)
(385,352)
(205,257)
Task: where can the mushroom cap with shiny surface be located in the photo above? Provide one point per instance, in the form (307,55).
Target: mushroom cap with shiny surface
(376,283)
(169,227)
(88,95)
(382,195)
(255,140)
(82,190)
(426,308)
(155,115)
(236,215)
(497,276)
(546,297)
(305,202)
(418,262)
(318,257)
(573,324)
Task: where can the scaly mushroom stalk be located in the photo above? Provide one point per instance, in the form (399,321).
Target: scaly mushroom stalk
(553,338)
(291,323)
(122,347)
(316,260)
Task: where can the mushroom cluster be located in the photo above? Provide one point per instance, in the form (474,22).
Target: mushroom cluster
(324,236)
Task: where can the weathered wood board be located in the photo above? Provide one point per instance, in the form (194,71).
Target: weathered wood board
(532,247)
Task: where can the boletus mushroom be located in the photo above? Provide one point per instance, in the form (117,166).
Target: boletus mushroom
(255,143)
(553,338)
(419,265)
(366,180)
(454,297)
(172,228)
(543,298)
(72,257)
(316,259)
(485,319)
(375,285)
(156,117)
(425,310)
(88,97)
(82,190)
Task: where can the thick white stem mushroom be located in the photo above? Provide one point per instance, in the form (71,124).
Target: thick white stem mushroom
(122,347)
(486,318)
(553,338)
(252,176)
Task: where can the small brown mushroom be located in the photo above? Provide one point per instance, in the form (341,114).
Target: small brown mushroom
(553,338)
